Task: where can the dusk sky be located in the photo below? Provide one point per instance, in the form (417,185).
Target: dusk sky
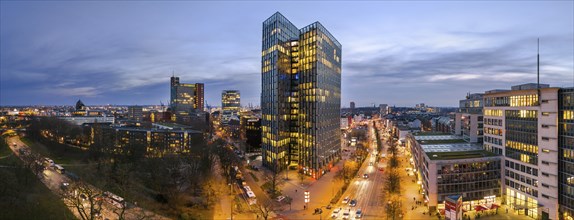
(399,53)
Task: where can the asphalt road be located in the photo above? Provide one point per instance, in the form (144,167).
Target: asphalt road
(367,192)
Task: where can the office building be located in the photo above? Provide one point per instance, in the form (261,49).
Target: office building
(521,124)
(135,113)
(469,119)
(230,105)
(301,96)
(447,165)
(186,97)
(352,107)
(253,134)
(566,152)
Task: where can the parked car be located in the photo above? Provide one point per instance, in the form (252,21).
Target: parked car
(336,213)
(280,198)
(346,214)
(346,200)
(353,203)
(359,213)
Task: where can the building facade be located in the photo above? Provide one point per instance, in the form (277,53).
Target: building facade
(301,96)
(521,124)
(151,142)
(135,113)
(186,97)
(446,165)
(566,152)
(469,118)
(230,104)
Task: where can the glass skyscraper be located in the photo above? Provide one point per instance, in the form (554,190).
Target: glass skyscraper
(566,152)
(301,96)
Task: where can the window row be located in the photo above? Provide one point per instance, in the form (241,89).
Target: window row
(521,168)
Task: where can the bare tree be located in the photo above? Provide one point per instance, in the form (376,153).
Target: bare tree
(264,209)
(86,200)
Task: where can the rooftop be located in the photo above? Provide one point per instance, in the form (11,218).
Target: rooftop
(455,151)
(443,146)
(428,138)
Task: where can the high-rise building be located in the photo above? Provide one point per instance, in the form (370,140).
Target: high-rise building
(469,119)
(521,124)
(301,96)
(383,109)
(566,152)
(185,97)
(135,113)
(230,104)
(352,106)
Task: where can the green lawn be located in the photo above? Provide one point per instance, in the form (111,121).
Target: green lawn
(23,196)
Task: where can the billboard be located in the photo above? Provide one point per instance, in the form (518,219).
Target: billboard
(453,207)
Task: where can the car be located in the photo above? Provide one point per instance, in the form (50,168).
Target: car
(347,214)
(359,213)
(336,213)
(366,176)
(346,200)
(353,203)
(280,198)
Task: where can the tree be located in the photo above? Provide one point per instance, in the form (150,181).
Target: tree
(85,199)
(350,169)
(275,180)
(392,182)
(265,208)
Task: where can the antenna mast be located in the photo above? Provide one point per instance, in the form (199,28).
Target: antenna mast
(538,71)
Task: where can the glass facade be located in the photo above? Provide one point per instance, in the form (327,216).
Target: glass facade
(522,135)
(566,153)
(301,96)
(473,181)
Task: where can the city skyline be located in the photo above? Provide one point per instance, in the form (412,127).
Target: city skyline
(55,53)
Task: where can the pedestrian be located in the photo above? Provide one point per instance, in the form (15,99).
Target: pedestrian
(414,199)
(506,210)
(295,190)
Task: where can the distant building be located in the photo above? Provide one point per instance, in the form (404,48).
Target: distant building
(186,97)
(344,122)
(230,105)
(301,96)
(135,113)
(80,109)
(352,106)
(469,118)
(80,120)
(384,109)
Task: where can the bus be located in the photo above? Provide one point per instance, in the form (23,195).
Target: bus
(59,168)
(115,200)
(251,199)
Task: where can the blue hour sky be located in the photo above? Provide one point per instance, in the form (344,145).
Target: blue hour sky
(400,53)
